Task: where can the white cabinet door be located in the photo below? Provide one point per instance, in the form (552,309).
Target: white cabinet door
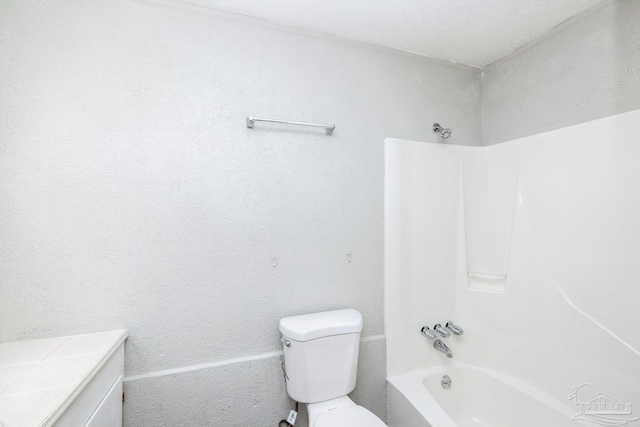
(99,388)
(109,413)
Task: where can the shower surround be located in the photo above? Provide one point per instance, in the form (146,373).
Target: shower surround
(532,246)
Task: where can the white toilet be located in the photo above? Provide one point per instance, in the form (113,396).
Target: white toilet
(321,359)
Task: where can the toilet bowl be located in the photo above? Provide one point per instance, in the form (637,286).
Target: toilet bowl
(341,412)
(321,361)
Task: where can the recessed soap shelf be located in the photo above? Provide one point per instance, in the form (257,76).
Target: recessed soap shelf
(488,283)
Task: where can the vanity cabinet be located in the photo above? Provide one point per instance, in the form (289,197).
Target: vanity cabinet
(100,403)
(70,381)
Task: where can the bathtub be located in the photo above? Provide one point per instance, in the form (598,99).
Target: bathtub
(477,397)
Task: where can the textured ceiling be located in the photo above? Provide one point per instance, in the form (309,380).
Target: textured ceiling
(472,32)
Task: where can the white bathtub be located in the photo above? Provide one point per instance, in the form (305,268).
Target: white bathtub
(477,397)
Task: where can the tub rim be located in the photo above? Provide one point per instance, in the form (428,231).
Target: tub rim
(411,386)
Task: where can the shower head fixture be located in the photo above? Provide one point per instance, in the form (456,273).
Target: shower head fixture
(445,133)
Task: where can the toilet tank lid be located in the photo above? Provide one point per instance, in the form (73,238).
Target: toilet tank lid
(317,325)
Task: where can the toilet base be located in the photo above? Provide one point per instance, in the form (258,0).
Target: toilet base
(316,409)
(341,412)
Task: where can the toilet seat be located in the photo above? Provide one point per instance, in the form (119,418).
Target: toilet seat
(351,416)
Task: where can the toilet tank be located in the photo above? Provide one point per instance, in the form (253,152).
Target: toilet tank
(321,354)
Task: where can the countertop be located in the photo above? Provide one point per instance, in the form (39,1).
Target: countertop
(40,378)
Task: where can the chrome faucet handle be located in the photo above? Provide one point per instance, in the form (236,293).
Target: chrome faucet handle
(428,333)
(456,330)
(443,332)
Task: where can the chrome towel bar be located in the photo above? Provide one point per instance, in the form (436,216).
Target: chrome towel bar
(328,128)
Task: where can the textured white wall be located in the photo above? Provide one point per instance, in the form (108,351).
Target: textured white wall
(133,196)
(589,70)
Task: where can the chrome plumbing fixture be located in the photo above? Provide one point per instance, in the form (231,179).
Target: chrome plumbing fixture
(443,332)
(442,347)
(251,121)
(437,343)
(445,382)
(445,133)
(428,333)
(456,330)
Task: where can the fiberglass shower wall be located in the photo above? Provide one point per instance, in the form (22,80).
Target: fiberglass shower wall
(565,208)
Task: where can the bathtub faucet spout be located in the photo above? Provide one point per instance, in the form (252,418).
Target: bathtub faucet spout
(431,335)
(442,347)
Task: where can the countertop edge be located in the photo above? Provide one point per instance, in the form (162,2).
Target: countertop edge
(57,413)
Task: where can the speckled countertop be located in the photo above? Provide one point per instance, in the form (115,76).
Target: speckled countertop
(39,378)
